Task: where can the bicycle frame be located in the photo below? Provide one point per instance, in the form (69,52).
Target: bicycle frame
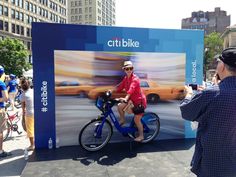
(123,130)
(13,120)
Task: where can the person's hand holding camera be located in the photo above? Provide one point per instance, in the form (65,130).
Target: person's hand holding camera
(189,91)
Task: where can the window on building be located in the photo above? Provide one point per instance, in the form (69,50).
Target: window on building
(28,45)
(6,26)
(1,25)
(13,13)
(5,11)
(86,9)
(17,2)
(17,15)
(26,5)
(31,7)
(13,28)
(34,8)
(30,19)
(21,16)
(28,32)
(26,18)
(80,3)
(17,29)
(13,2)
(90,1)
(80,10)
(90,10)
(1,13)
(39,11)
(21,2)
(22,30)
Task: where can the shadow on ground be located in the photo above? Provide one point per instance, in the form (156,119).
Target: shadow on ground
(113,153)
(12,165)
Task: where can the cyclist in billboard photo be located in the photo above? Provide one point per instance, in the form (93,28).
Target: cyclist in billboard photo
(214,109)
(3,98)
(135,101)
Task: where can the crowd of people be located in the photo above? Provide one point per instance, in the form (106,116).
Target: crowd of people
(9,87)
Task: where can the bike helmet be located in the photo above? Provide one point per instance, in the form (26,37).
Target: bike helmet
(12,76)
(1,70)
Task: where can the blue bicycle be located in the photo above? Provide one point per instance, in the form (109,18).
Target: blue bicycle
(97,133)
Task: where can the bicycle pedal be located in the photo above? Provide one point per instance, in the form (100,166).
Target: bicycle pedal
(131,135)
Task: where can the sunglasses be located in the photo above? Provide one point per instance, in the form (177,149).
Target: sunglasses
(128,69)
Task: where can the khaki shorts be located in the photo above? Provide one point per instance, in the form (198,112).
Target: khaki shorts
(29,123)
(2,120)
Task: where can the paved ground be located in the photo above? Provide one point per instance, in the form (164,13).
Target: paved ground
(14,165)
(166,158)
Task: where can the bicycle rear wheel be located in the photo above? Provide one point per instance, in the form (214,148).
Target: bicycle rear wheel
(6,132)
(90,139)
(151,126)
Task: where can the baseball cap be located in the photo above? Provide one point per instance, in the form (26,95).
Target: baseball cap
(1,70)
(12,76)
(127,64)
(228,56)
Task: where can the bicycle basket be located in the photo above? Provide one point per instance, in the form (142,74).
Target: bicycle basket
(100,103)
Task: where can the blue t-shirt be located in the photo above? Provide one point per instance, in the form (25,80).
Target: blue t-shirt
(12,86)
(2,88)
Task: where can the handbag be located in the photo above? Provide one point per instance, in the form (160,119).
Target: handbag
(138,109)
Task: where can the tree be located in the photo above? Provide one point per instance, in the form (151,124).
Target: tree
(213,46)
(13,55)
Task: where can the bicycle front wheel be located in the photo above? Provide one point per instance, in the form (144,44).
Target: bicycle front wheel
(6,132)
(151,126)
(91,139)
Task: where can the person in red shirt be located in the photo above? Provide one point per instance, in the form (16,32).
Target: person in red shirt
(134,96)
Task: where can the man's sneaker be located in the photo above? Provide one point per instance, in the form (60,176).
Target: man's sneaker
(5,154)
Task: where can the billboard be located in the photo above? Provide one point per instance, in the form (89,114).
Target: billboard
(73,64)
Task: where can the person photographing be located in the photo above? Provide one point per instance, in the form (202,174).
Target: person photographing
(215,112)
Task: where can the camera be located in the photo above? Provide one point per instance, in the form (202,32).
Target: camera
(194,86)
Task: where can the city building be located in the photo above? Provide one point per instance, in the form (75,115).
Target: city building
(92,12)
(210,22)
(16,17)
(229,37)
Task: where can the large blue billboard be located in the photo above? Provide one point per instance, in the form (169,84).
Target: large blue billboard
(73,63)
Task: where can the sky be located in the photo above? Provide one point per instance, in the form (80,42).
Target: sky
(166,14)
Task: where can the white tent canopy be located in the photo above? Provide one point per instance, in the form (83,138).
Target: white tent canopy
(28,73)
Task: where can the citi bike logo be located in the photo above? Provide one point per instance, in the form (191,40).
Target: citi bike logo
(121,42)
